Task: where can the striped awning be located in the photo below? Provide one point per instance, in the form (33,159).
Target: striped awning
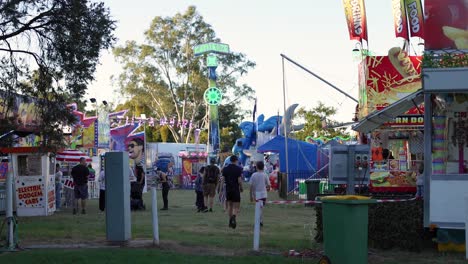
(71,155)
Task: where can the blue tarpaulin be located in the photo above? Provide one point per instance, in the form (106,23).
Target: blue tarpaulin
(302,157)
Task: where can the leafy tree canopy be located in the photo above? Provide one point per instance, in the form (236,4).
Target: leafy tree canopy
(49,50)
(315,119)
(163,75)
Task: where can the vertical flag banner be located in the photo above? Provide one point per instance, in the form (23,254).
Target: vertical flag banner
(399,19)
(89,135)
(415,17)
(103,126)
(446,24)
(355,13)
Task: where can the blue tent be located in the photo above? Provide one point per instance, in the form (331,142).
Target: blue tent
(302,157)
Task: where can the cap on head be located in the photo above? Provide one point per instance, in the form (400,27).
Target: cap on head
(212,160)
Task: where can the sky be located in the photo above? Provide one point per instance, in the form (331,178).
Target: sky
(311,32)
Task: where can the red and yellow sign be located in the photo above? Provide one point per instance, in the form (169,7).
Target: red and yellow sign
(388,79)
(415,17)
(446,24)
(399,19)
(355,13)
(30,196)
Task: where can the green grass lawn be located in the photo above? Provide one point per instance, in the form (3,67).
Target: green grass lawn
(186,236)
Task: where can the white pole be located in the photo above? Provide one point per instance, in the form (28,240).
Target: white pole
(466,224)
(258,213)
(154,211)
(9,203)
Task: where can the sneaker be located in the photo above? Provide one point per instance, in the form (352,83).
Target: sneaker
(164,209)
(74,211)
(205,210)
(83,211)
(211,209)
(234,224)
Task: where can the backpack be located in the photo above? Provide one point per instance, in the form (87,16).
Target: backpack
(212,174)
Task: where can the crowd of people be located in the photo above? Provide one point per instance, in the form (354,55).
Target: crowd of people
(226,182)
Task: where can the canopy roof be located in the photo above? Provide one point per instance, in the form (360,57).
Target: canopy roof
(378,118)
(71,155)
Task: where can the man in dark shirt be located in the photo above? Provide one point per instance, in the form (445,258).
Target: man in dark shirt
(80,175)
(233,178)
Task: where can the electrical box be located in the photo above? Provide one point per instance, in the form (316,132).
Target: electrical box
(349,161)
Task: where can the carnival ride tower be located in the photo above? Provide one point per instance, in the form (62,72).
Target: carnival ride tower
(212,95)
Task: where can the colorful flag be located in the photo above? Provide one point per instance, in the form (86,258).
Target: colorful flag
(415,17)
(399,18)
(355,13)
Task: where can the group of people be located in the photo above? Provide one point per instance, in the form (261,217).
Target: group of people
(227,182)
(80,174)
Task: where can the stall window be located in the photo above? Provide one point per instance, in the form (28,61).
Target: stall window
(29,165)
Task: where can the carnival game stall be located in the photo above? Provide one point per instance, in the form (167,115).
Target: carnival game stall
(192,161)
(34,181)
(67,160)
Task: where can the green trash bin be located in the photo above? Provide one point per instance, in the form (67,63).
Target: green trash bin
(302,189)
(313,189)
(345,224)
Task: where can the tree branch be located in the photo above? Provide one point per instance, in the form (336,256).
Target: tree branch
(27,26)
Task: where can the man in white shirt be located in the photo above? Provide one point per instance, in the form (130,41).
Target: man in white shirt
(259,186)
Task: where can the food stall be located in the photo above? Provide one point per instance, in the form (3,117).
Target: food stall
(391,119)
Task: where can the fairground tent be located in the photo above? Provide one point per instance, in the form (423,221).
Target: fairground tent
(302,157)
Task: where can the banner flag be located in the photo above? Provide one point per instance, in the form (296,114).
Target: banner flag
(355,13)
(415,17)
(399,19)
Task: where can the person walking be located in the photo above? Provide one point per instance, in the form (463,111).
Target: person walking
(58,187)
(210,181)
(92,181)
(222,192)
(80,175)
(163,179)
(259,186)
(200,203)
(102,190)
(420,181)
(232,174)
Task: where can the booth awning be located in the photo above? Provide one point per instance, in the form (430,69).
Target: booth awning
(71,155)
(378,118)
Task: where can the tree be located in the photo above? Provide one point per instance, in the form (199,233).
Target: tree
(163,75)
(49,50)
(314,123)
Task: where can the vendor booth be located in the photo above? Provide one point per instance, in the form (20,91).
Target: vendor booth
(34,181)
(68,159)
(192,161)
(391,120)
